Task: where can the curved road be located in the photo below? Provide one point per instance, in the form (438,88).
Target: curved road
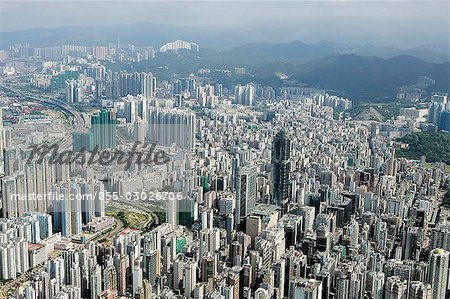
(79,120)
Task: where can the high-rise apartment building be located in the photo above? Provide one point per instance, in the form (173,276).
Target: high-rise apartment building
(438,272)
(437,106)
(137,84)
(244,94)
(281,184)
(420,290)
(302,288)
(103,128)
(395,288)
(74,91)
(179,45)
(444,121)
(168,126)
(245,192)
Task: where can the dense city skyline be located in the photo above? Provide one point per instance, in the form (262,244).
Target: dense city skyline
(220,157)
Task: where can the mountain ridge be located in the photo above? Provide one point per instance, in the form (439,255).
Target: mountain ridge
(217,38)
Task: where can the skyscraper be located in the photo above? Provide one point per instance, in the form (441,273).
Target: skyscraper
(103,127)
(135,106)
(444,121)
(185,85)
(136,84)
(438,272)
(74,91)
(171,126)
(245,192)
(419,290)
(305,288)
(440,237)
(281,185)
(178,45)
(244,94)
(67,215)
(437,106)
(395,288)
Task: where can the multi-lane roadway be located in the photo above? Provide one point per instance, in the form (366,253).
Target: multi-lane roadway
(78,118)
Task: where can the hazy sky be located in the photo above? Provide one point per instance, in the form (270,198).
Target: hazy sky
(385,22)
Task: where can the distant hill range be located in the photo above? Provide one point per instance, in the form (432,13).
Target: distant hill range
(361,78)
(361,72)
(243,42)
(366,78)
(301,52)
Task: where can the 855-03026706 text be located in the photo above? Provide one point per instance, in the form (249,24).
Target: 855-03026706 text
(103,195)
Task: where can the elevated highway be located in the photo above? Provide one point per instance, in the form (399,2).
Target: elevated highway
(78,118)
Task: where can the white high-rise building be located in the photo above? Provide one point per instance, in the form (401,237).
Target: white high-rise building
(244,94)
(302,288)
(437,106)
(178,45)
(55,269)
(95,284)
(15,235)
(438,272)
(74,91)
(375,284)
(420,290)
(395,288)
(169,126)
(135,106)
(14,195)
(67,213)
(8,261)
(130,110)
(190,278)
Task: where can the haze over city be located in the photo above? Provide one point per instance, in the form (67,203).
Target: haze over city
(224,150)
(385,23)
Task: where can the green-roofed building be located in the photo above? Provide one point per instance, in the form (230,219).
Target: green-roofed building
(180,244)
(103,128)
(83,141)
